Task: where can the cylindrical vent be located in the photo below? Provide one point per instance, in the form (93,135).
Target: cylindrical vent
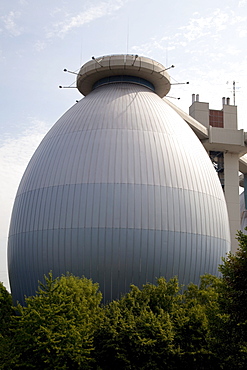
(193,98)
(228,101)
(223,101)
(197,97)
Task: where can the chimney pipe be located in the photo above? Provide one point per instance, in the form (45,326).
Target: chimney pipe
(223,101)
(193,98)
(197,97)
(228,101)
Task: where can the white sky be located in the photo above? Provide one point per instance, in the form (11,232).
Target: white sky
(205,40)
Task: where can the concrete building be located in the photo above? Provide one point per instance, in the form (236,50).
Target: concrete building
(226,146)
(121,190)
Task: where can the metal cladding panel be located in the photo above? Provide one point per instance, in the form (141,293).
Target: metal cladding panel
(119,206)
(121,191)
(114,257)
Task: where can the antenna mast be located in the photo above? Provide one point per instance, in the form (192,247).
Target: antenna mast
(234,91)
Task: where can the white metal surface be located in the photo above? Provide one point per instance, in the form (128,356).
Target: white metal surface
(122,191)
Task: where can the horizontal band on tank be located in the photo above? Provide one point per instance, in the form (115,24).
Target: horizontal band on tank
(122,78)
(138,206)
(115,258)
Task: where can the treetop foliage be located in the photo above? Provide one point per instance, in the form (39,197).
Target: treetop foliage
(55,329)
(5,308)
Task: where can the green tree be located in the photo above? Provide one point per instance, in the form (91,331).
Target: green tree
(137,332)
(158,327)
(233,300)
(197,322)
(6,310)
(234,275)
(6,313)
(55,329)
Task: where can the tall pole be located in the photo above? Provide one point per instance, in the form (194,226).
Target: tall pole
(234,88)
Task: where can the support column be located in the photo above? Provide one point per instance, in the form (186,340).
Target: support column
(231,167)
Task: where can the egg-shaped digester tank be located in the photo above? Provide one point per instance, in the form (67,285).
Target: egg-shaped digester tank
(120,190)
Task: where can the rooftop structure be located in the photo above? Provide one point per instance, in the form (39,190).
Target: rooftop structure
(226,145)
(123,68)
